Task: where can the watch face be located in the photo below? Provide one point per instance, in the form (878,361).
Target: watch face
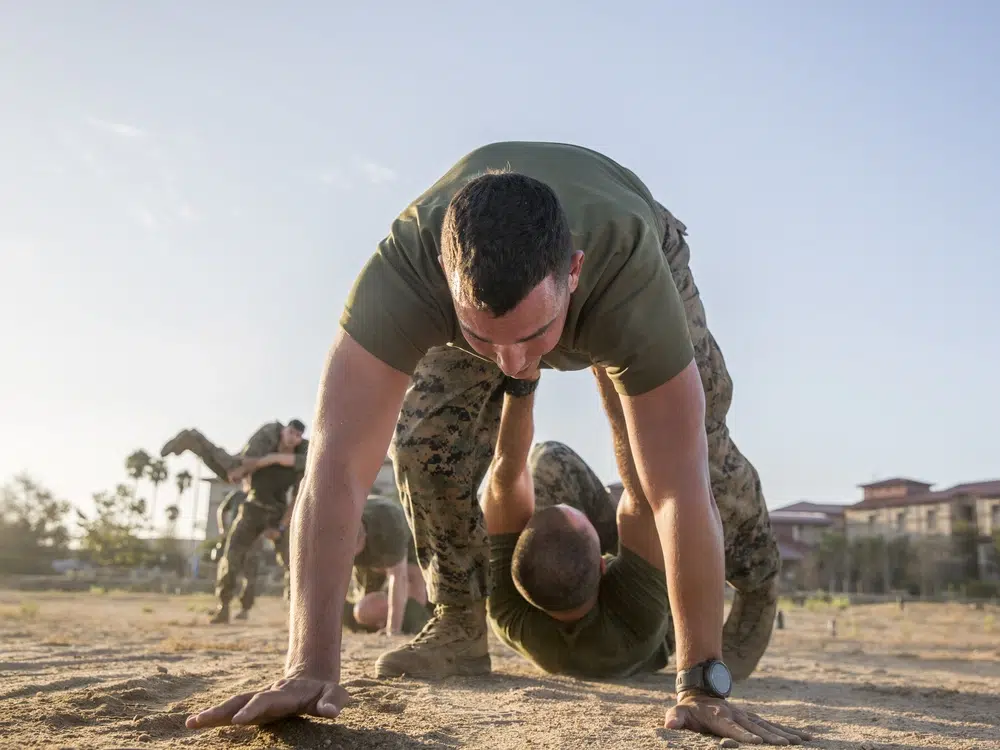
(719,678)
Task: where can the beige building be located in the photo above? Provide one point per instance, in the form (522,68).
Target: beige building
(905,507)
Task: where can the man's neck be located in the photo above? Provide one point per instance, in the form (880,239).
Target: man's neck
(574,615)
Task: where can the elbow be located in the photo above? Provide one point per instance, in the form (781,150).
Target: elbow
(506,474)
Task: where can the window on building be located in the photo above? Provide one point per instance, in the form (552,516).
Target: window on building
(995,517)
(932,520)
(901,521)
(797,533)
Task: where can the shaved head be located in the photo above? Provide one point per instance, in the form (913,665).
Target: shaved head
(557,560)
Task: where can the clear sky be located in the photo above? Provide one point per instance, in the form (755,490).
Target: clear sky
(188,189)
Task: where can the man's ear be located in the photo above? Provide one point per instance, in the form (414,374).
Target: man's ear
(604,565)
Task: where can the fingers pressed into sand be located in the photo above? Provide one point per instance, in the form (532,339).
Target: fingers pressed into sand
(218,716)
(268,705)
(706,719)
(781,728)
(729,728)
(769,737)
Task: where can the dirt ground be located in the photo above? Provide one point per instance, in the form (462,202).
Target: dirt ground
(120,671)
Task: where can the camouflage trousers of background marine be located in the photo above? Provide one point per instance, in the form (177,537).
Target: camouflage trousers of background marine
(448,427)
(214,457)
(251,568)
(251,521)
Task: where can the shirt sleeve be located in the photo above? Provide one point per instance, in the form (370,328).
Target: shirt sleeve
(263,442)
(636,592)
(638,328)
(399,306)
(519,624)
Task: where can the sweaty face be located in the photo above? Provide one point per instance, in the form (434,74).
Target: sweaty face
(518,340)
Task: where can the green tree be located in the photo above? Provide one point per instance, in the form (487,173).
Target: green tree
(156,471)
(33,531)
(182,480)
(135,466)
(111,535)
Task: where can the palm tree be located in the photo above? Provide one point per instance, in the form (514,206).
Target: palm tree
(172,512)
(157,473)
(182,479)
(135,466)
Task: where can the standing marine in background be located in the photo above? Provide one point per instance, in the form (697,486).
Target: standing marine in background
(273,461)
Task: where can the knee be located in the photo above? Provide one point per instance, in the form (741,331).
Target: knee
(372,610)
(553,457)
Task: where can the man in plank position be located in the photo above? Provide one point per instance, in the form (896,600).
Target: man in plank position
(387,589)
(523,256)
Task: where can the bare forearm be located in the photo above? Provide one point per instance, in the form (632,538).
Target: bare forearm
(516,433)
(397,600)
(509,499)
(353,430)
(690,534)
(619,433)
(321,531)
(666,430)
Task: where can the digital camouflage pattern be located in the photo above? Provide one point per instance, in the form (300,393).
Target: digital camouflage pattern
(441,450)
(561,476)
(219,461)
(252,520)
(228,511)
(444,442)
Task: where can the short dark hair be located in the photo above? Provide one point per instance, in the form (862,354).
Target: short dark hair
(556,565)
(296,424)
(502,234)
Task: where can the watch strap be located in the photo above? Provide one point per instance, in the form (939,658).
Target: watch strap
(692,678)
(515,387)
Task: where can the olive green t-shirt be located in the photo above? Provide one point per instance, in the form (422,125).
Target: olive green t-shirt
(625,632)
(625,314)
(269,486)
(387,541)
(387,534)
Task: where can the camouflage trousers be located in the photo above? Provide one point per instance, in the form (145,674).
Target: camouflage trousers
(561,476)
(244,535)
(214,457)
(251,568)
(447,430)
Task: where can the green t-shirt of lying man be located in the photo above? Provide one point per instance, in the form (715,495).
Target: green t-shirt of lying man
(625,632)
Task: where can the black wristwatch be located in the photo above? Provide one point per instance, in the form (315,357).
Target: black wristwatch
(711,677)
(515,387)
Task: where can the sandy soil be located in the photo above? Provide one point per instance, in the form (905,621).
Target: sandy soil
(121,671)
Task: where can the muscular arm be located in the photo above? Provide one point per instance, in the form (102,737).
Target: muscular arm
(636,522)
(358,404)
(398,582)
(509,499)
(666,440)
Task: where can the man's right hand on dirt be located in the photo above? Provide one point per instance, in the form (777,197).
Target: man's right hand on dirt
(286,697)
